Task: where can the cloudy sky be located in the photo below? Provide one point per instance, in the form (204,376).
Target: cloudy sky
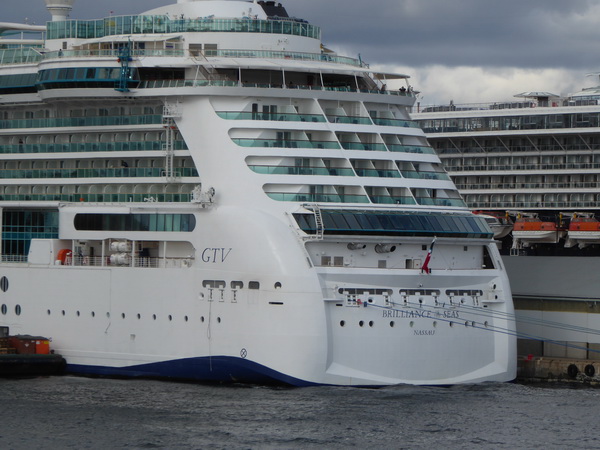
(461,50)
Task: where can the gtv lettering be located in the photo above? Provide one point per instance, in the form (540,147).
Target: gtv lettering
(215,255)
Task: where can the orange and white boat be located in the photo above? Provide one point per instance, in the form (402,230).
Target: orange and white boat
(530,229)
(584,230)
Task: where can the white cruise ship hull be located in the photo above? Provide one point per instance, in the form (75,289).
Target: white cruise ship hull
(205,192)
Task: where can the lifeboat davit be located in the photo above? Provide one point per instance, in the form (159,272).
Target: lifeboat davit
(584,230)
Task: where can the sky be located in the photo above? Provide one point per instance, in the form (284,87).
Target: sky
(465,51)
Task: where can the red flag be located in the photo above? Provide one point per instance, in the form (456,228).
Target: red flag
(425,267)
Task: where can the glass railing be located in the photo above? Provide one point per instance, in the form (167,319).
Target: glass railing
(325,198)
(440,201)
(81,121)
(96,173)
(395,123)
(20,56)
(268,54)
(411,149)
(97,198)
(378,173)
(146,24)
(89,147)
(402,200)
(159,84)
(425,175)
(298,170)
(362,146)
(280,117)
(275,143)
(350,119)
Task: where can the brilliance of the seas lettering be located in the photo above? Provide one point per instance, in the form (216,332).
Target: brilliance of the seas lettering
(419,314)
(215,255)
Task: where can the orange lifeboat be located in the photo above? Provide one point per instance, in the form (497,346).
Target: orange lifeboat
(530,229)
(584,230)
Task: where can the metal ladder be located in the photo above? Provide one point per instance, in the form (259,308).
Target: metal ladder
(320,227)
(170,113)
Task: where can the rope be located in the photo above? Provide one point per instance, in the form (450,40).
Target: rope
(492,328)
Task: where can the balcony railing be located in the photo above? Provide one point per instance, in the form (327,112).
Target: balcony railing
(98,198)
(90,147)
(277,143)
(279,117)
(363,146)
(317,198)
(378,173)
(98,121)
(119,172)
(302,170)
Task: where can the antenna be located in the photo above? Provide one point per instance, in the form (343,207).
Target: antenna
(60,9)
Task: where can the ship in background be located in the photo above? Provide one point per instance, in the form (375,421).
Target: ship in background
(204,191)
(533,164)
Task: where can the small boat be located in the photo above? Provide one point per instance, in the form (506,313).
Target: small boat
(501,224)
(584,230)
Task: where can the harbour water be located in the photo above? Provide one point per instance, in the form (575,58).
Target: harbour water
(84,413)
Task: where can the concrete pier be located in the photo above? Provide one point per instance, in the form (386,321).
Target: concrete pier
(549,369)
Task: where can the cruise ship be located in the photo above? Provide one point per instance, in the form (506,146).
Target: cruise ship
(531,165)
(206,192)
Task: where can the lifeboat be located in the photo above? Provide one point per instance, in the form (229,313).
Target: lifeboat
(501,224)
(530,229)
(584,230)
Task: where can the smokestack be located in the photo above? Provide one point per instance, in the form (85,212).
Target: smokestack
(60,9)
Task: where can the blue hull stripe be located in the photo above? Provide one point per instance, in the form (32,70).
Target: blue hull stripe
(209,369)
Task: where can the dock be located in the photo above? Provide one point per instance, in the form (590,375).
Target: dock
(553,369)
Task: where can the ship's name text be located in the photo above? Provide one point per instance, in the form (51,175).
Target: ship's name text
(215,255)
(416,314)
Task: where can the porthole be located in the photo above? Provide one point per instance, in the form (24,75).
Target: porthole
(451,324)
(4,309)
(202,319)
(218,320)
(170,317)
(63,312)
(278,285)
(486,323)
(371,323)
(392,324)
(139,316)
(78,313)
(185,318)
(93,314)
(342,323)
(153,316)
(122,315)
(412,324)
(18,310)
(466,324)
(49,312)
(361,323)
(434,324)
(108,315)
(4,284)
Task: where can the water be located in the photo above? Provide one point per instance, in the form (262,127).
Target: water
(84,413)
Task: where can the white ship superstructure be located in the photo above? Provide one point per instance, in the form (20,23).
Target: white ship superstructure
(204,191)
(534,162)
